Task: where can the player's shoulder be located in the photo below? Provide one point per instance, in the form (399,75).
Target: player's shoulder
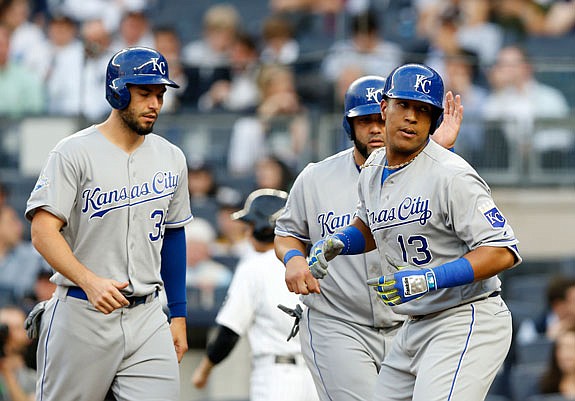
(446,163)
(340,159)
(76,139)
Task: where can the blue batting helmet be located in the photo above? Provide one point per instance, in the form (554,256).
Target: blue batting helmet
(362,98)
(137,66)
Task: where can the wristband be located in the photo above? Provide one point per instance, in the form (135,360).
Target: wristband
(453,274)
(292,253)
(353,240)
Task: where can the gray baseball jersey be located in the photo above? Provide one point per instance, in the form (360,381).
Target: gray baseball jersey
(115,205)
(432,211)
(322,200)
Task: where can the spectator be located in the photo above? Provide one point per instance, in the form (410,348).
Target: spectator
(560,375)
(167,41)
(443,43)
(97,53)
(221,22)
(21,88)
(64,78)
(27,40)
(365,48)
(476,32)
(108,11)
(17,381)
(232,238)
(559,314)
(240,92)
(203,190)
(19,261)
(202,271)
(272,172)
(555,18)
(43,289)
(280,45)
(461,71)
(134,31)
(280,125)
(517,99)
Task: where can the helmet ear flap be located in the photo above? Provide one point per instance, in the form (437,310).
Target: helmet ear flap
(347,127)
(119,98)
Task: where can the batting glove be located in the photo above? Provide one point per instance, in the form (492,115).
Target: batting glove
(321,253)
(404,285)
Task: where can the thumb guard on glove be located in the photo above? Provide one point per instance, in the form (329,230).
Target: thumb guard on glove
(321,253)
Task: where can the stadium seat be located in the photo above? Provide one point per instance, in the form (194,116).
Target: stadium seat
(524,380)
(538,351)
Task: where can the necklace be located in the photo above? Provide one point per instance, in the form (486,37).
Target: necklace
(398,166)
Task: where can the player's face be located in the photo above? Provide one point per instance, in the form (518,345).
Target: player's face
(368,131)
(407,125)
(145,105)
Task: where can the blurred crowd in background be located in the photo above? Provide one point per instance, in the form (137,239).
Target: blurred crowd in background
(276,67)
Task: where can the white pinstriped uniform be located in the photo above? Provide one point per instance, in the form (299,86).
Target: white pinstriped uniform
(250,307)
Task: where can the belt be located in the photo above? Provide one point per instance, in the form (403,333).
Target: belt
(285,359)
(491,295)
(77,292)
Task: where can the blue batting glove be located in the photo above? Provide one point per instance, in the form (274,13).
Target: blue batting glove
(403,286)
(321,253)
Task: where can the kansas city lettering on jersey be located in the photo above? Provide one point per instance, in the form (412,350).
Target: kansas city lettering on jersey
(410,210)
(329,222)
(99,202)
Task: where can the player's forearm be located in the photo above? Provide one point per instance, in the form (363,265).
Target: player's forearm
(283,245)
(50,243)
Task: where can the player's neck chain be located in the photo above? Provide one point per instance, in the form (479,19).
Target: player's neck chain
(400,165)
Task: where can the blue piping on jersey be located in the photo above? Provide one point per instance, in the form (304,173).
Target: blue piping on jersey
(171,223)
(283,233)
(313,352)
(46,350)
(464,351)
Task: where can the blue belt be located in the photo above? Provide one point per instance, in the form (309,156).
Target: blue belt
(77,292)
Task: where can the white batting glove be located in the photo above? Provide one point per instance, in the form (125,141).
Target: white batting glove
(321,253)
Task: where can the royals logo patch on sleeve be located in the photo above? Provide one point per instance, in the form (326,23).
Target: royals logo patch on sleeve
(492,214)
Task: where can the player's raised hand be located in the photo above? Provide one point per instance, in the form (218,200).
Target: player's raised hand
(321,253)
(448,130)
(105,294)
(403,286)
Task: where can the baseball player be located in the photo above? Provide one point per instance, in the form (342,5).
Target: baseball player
(107,213)
(279,372)
(442,241)
(345,328)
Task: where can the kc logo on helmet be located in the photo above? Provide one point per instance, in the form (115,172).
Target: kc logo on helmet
(422,84)
(375,95)
(156,66)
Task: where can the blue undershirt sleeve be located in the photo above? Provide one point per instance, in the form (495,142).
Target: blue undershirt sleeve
(173,270)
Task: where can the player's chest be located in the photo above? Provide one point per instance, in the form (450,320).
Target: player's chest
(127,184)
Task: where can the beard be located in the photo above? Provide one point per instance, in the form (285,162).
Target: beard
(130,120)
(361,148)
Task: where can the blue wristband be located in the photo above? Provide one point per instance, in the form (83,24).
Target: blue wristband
(453,274)
(292,253)
(353,240)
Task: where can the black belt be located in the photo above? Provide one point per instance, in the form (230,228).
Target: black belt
(77,292)
(285,359)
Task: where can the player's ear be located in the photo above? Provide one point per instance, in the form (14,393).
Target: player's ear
(383,106)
